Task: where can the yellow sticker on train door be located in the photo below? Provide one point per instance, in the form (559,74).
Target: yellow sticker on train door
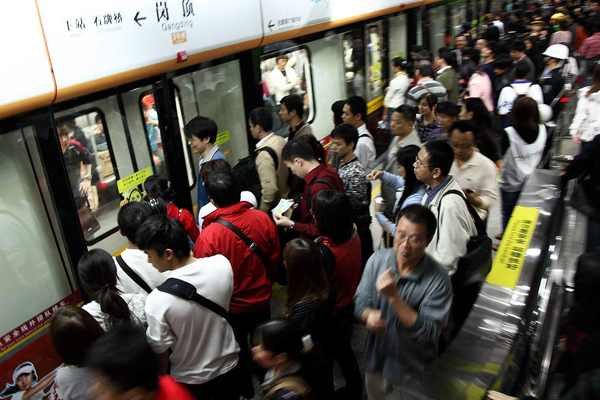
(513,247)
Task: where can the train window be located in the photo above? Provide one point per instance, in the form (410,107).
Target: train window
(151,125)
(214,92)
(288,72)
(374,57)
(92,141)
(33,269)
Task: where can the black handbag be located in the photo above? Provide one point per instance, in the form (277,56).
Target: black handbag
(477,263)
(583,197)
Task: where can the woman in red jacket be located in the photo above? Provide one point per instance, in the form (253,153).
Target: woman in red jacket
(340,247)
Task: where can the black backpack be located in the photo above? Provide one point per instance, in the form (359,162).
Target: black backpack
(246,173)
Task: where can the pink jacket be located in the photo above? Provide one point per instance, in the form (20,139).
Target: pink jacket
(480,86)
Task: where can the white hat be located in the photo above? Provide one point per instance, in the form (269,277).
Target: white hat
(24,368)
(545,112)
(558,51)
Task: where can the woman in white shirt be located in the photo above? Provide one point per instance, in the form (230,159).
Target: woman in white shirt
(586,123)
(110,307)
(523,146)
(395,94)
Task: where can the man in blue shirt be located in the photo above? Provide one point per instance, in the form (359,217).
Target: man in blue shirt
(404,298)
(201,133)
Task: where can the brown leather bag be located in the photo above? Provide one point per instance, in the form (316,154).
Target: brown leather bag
(89,223)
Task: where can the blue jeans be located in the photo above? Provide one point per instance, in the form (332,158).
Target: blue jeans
(509,201)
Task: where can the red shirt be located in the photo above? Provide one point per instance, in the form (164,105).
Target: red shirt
(169,389)
(307,226)
(251,280)
(186,219)
(348,268)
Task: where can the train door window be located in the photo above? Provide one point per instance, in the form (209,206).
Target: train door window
(420,26)
(214,92)
(374,71)
(458,17)
(187,153)
(135,127)
(287,72)
(397,37)
(353,48)
(153,134)
(33,267)
(437,27)
(97,155)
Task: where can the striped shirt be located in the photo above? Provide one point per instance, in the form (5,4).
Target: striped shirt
(425,86)
(591,46)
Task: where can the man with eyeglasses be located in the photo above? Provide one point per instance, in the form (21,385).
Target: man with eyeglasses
(404,298)
(475,173)
(455,224)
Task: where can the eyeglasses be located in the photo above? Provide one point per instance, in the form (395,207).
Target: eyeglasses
(192,140)
(419,163)
(411,240)
(461,146)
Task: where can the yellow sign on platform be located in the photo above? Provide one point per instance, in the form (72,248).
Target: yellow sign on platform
(134,179)
(222,138)
(512,251)
(374,105)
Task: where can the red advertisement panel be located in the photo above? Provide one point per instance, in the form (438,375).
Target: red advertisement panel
(28,363)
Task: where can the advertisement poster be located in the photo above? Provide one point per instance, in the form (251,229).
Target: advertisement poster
(28,363)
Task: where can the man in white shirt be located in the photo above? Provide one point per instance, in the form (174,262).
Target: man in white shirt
(355,114)
(130,217)
(204,353)
(475,173)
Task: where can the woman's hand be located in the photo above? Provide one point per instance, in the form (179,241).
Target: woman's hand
(281,221)
(375,174)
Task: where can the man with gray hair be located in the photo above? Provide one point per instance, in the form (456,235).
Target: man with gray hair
(425,84)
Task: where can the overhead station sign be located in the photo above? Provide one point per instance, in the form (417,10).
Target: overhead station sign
(280,16)
(93,40)
(25,72)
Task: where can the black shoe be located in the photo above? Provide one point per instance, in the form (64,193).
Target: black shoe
(346,394)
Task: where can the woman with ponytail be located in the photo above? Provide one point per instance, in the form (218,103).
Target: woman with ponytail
(110,307)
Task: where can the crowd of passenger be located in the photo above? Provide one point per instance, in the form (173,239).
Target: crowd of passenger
(185,311)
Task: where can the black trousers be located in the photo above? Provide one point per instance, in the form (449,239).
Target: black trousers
(223,387)
(244,326)
(342,350)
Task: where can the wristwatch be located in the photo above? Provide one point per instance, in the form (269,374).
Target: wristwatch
(88,176)
(292,225)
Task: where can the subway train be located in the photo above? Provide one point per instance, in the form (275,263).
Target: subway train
(125,77)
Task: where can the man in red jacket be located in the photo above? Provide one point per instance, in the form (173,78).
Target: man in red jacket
(300,158)
(249,239)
